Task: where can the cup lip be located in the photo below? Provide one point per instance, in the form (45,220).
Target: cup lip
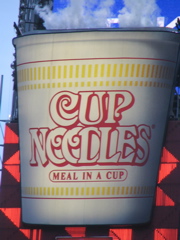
(130,29)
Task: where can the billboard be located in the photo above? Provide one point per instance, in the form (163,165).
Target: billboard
(92,114)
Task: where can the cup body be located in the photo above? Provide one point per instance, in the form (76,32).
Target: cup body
(92,108)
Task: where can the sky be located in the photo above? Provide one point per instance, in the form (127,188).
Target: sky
(8,15)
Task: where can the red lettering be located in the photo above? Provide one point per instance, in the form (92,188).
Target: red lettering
(89,108)
(124,145)
(89,133)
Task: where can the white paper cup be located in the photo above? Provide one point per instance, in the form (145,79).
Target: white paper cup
(92,113)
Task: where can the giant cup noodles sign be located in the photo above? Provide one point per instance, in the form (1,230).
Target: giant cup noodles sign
(89,133)
(92,120)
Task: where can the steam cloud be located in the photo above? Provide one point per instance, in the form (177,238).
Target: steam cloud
(139,13)
(78,14)
(94,14)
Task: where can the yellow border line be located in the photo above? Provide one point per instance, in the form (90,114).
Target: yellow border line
(86,75)
(95,71)
(94,84)
(88,191)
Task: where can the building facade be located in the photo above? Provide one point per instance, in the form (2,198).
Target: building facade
(165,220)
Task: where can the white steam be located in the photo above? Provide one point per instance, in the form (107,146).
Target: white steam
(139,13)
(78,14)
(94,14)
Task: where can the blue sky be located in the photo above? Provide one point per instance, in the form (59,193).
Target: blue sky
(8,15)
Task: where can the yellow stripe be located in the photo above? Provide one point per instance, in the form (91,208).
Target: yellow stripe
(125,83)
(31,78)
(103,190)
(108,70)
(34,70)
(146,83)
(27,74)
(67,191)
(88,191)
(102,70)
(131,83)
(72,191)
(54,72)
(98,191)
(108,192)
(113,83)
(71,71)
(101,83)
(49,73)
(138,70)
(113,190)
(132,70)
(143,70)
(77,71)
(59,72)
(83,71)
(39,73)
(157,71)
(96,70)
(94,84)
(57,191)
(148,71)
(89,70)
(65,72)
(44,73)
(152,71)
(44,191)
(48,192)
(127,70)
(114,70)
(82,191)
(160,71)
(120,70)
(23,77)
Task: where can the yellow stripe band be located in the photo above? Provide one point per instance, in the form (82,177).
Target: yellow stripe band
(63,192)
(105,74)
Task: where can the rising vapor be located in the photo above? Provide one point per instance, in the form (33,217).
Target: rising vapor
(141,13)
(94,14)
(78,14)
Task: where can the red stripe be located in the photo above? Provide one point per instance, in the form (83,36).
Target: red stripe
(84,59)
(85,198)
